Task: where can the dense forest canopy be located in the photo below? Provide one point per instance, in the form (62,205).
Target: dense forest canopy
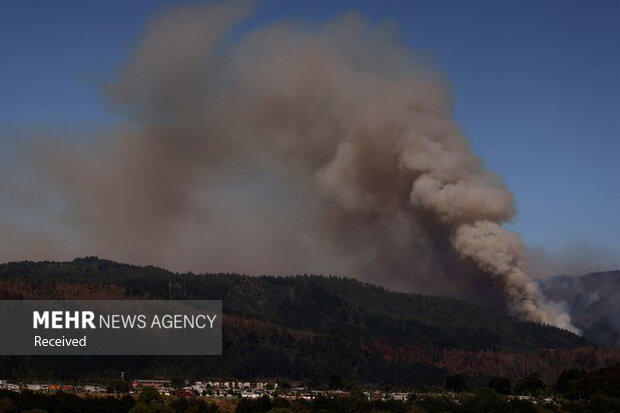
(302,326)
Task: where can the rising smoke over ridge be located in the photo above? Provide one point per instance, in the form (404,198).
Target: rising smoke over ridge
(292,149)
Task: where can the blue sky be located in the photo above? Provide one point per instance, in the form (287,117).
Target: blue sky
(536,83)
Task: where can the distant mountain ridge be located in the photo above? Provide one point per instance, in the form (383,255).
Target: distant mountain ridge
(593,301)
(305,326)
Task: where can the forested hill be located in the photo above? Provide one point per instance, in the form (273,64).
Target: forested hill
(304,326)
(329,305)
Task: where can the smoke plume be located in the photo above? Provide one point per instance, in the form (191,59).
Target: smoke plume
(291,148)
(578,257)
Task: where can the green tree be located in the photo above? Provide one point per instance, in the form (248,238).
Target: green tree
(484,400)
(335,381)
(283,384)
(155,407)
(149,395)
(437,404)
(530,385)
(280,402)
(140,408)
(177,382)
(117,385)
(456,383)
(199,406)
(179,405)
(261,405)
(500,384)
(565,383)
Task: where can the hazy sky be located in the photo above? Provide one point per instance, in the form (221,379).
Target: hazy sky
(536,85)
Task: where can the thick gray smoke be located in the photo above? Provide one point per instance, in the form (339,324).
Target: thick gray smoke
(292,149)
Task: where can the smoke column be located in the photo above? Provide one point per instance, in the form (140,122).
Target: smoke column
(321,148)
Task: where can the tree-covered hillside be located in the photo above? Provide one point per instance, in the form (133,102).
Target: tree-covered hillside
(299,327)
(322,304)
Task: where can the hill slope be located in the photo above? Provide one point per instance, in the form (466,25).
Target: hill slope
(303,326)
(322,304)
(593,301)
